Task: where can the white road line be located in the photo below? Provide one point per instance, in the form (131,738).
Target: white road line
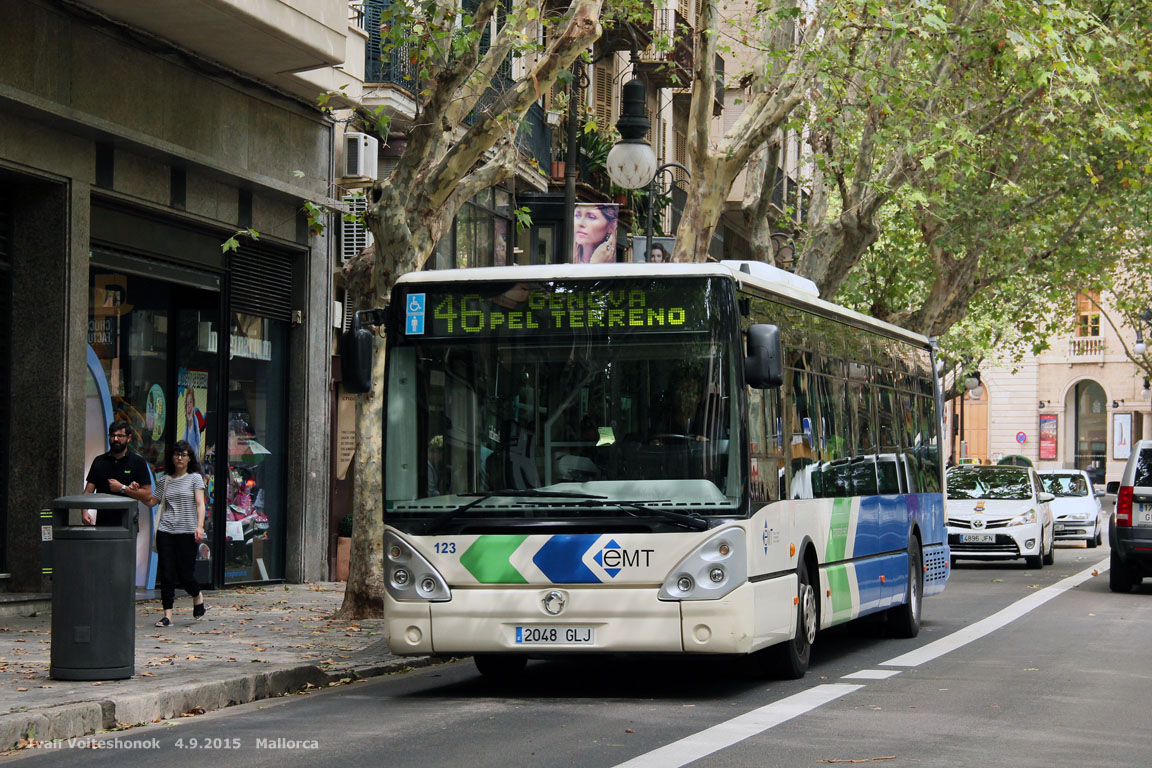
(737,729)
(962,637)
(872,674)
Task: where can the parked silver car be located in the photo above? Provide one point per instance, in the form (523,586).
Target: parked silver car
(1076,508)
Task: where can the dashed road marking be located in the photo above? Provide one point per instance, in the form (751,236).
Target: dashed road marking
(729,732)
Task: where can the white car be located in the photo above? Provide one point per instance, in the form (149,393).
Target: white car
(999,513)
(1077,510)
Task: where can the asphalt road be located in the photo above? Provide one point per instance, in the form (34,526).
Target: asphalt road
(1012,667)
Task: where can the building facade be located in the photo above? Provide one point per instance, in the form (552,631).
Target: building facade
(1080,404)
(136,141)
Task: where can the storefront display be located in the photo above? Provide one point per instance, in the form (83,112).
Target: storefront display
(157,349)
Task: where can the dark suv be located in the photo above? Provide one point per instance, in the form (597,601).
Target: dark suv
(1130,530)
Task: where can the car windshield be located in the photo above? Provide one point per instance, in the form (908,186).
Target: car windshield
(512,389)
(1000,484)
(1065,485)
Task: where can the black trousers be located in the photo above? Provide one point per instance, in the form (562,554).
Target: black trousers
(176,563)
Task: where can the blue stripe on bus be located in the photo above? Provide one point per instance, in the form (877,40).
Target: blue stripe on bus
(561,559)
(873,591)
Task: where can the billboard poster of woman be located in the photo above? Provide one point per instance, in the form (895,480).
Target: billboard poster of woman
(595,230)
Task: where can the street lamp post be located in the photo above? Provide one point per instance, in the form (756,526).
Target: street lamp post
(652,199)
(632,163)
(1141,347)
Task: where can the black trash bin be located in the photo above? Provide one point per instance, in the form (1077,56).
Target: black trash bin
(93,590)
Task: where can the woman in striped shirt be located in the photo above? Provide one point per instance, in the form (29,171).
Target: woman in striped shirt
(179,530)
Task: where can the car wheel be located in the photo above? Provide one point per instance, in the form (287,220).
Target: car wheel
(905,619)
(1099,537)
(1050,558)
(1093,541)
(1035,561)
(1119,580)
(500,667)
(792,657)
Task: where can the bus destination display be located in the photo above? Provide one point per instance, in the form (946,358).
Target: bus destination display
(527,310)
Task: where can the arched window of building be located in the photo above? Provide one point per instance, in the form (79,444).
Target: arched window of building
(1091,429)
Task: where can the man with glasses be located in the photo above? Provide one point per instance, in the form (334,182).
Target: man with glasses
(119,471)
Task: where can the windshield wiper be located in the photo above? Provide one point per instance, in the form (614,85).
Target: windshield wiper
(691,520)
(438,522)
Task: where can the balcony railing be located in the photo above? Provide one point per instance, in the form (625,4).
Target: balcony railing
(392,67)
(1086,346)
(356,15)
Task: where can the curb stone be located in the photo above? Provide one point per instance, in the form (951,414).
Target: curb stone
(69,721)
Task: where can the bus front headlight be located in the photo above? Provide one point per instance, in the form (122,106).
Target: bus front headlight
(710,571)
(408,576)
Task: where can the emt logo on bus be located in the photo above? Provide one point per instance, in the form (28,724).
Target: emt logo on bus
(580,558)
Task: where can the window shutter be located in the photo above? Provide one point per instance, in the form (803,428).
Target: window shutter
(261,283)
(680,155)
(354,235)
(602,106)
(685,8)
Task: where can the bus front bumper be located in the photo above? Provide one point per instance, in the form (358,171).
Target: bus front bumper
(591,620)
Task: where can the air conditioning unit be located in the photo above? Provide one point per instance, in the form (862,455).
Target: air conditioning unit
(360,156)
(354,234)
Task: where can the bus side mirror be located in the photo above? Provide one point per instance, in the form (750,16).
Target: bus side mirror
(356,355)
(764,363)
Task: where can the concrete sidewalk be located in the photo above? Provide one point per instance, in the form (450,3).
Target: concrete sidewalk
(253,643)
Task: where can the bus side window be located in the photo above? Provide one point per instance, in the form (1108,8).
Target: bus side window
(802,454)
(765,445)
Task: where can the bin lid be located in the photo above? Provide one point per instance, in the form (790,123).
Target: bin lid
(93,501)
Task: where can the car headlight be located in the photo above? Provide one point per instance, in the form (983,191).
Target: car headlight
(1024,519)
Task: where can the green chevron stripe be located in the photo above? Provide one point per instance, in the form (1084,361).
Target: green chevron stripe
(841,587)
(488,560)
(838,530)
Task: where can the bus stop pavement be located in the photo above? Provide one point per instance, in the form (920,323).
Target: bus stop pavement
(253,643)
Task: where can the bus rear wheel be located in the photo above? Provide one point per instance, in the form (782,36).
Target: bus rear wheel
(500,667)
(904,620)
(792,656)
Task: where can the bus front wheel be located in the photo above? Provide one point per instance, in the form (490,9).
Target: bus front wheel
(792,656)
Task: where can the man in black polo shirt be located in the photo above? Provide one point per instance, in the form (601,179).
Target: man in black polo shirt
(120,471)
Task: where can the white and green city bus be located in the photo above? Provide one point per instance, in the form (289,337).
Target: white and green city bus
(630,458)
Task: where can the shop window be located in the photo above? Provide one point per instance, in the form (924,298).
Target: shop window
(255,516)
(480,236)
(161,366)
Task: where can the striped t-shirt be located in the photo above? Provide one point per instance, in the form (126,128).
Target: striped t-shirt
(179,513)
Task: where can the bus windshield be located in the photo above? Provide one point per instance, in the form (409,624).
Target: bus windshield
(607,398)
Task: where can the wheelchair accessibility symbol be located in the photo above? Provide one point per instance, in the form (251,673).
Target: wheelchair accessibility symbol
(414,315)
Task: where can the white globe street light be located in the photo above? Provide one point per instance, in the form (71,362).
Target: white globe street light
(631,161)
